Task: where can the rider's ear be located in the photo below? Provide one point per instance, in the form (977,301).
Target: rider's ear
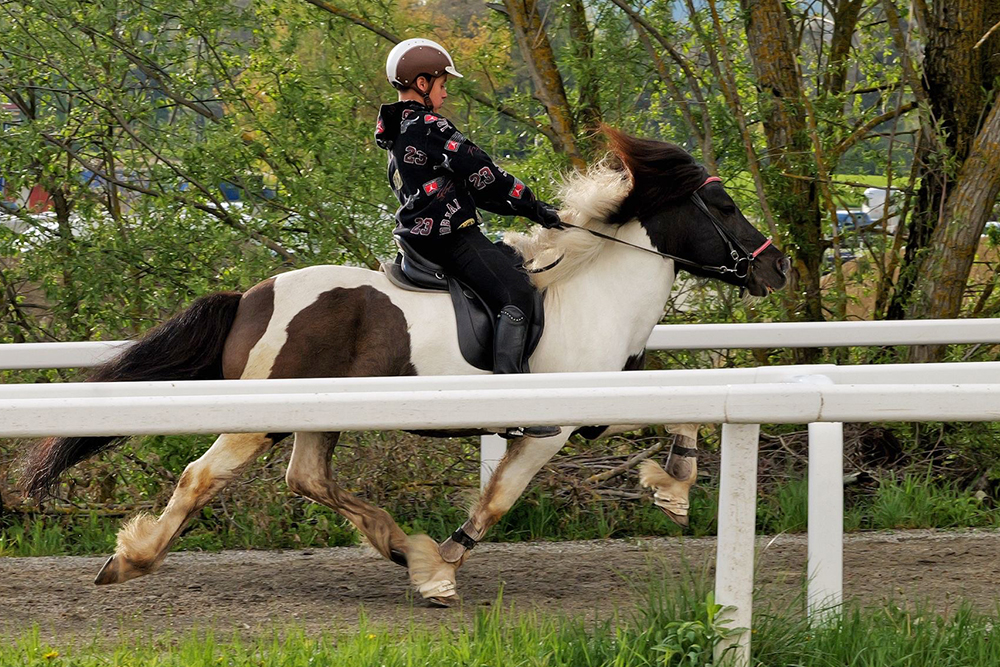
(424,89)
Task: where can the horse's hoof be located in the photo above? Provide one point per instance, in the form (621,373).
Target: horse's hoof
(118,569)
(680,519)
(109,573)
(451,551)
(443,601)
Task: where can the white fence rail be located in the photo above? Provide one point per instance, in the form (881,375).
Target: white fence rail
(344,405)
(664,337)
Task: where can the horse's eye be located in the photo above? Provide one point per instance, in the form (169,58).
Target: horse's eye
(727,209)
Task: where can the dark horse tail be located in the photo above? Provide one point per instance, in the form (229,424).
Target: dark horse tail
(187,347)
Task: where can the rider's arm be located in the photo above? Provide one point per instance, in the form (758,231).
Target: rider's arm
(491,187)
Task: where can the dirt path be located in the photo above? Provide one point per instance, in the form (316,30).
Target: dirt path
(251,591)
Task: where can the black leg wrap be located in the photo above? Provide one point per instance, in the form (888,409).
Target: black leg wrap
(463,538)
(398,557)
(683,451)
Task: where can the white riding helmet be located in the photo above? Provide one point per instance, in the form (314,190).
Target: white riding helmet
(413,57)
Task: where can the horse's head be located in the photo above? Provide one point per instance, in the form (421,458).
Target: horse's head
(688,215)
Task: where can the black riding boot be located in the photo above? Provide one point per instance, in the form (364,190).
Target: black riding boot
(508,357)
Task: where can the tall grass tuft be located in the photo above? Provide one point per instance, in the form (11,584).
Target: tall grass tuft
(915,501)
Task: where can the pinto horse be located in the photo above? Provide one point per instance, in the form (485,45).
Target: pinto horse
(643,212)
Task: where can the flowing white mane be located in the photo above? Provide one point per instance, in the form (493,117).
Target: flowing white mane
(588,199)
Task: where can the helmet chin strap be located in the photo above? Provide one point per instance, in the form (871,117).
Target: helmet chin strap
(427,95)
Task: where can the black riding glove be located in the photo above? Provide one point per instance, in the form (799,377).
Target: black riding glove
(548,216)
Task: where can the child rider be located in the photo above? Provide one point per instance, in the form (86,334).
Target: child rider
(440,178)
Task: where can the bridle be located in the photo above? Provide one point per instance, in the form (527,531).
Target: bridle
(736,249)
(742,258)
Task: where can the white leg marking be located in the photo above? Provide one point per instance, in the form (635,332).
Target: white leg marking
(145,540)
(519,466)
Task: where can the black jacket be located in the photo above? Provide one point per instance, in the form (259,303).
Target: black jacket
(440,176)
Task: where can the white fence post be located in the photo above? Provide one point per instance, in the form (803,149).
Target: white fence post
(826,519)
(491,450)
(734,558)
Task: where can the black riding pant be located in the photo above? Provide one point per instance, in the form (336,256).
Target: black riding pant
(495,274)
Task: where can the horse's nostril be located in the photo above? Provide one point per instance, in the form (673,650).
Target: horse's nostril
(784,264)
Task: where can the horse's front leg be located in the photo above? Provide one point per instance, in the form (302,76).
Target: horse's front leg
(144,541)
(672,487)
(523,459)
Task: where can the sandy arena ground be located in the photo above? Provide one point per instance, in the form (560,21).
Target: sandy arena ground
(325,589)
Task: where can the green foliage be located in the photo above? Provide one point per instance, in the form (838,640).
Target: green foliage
(916,501)
(688,643)
(910,501)
(86,534)
(785,509)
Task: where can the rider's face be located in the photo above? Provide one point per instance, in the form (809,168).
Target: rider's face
(438,92)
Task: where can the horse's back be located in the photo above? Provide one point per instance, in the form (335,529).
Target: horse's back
(340,321)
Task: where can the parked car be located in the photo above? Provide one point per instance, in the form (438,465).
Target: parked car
(846,255)
(875,206)
(849,220)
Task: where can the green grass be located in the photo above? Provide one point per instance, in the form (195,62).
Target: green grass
(916,502)
(85,533)
(909,501)
(676,626)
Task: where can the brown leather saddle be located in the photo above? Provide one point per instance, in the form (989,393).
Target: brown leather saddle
(475,320)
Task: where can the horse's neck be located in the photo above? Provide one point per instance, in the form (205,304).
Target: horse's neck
(602,315)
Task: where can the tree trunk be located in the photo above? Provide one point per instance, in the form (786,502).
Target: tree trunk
(645,30)
(958,166)
(945,271)
(679,98)
(70,299)
(589,109)
(533,42)
(793,200)
(845,20)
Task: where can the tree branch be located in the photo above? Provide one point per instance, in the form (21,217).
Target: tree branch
(355,19)
(220,214)
(864,129)
(628,465)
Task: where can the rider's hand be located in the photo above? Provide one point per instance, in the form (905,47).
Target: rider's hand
(548,217)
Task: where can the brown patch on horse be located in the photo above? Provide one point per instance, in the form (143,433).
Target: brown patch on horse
(346,332)
(252,316)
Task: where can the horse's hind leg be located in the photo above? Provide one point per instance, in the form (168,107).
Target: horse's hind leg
(310,474)
(144,541)
(672,487)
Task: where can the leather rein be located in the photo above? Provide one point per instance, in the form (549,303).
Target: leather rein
(737,251)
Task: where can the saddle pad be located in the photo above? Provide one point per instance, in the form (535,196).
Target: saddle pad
(395,275)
